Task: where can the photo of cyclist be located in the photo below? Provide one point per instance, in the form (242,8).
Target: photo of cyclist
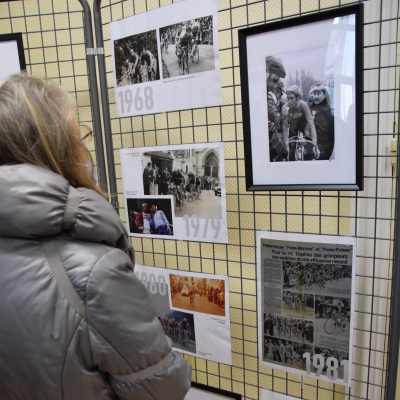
(195,36)
(136,59)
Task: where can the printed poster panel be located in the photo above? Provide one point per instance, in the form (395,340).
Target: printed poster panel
(193,309)
(176,192)
(306,304)
(167,59)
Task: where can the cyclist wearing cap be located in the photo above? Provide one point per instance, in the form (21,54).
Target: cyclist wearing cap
(186,40)
(275,71)
(323,120)
(298,118)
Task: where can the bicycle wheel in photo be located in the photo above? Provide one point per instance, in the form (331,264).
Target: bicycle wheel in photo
(343,323)
(330,325)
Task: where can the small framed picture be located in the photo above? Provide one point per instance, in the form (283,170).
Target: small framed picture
(302,102)
(12,46)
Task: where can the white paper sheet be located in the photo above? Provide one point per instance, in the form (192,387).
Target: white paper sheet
(141,88)
(209,320)
(10,64)
(193,212)
(306,286)
(269,395)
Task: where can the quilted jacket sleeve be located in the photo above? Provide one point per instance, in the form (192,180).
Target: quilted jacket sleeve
(127,340)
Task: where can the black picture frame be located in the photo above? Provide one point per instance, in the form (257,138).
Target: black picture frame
(263,174)
(17,37)
(226,394)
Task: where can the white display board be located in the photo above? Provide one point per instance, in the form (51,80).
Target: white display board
(306,286)
(207,315)
(149,79)
(191,196)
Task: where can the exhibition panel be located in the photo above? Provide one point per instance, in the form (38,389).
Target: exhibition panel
(269,292)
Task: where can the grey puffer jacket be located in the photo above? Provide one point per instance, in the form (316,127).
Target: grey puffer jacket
(113,347)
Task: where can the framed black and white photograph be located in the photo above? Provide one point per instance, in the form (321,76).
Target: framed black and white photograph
(12,47)
(302,103)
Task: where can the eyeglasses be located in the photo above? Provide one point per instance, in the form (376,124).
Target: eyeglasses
(86,133)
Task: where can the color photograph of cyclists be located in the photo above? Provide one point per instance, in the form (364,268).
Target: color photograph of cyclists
(198,294)
(192,176)
(179,327)
(298,303)
(187,47)
(300,93)
(151,216)
(338,354)
(136,59)
(300,330)
(332,317)
(317,278)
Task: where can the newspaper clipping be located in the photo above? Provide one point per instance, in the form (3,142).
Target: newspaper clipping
(306,304)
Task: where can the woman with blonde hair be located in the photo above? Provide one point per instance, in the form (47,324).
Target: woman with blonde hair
(75,321)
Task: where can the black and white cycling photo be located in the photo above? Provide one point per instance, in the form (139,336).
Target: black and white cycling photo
(191,175)
(297,329)
(296,303)
(332,317)
(300,93)
(187,47)
(136,59)
(317,277)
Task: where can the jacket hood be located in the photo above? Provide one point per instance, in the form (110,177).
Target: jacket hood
(35,202)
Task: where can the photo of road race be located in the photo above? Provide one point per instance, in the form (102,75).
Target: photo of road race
(300,330)
(151,216)
(191,175)
(319,278)
(187,47)
(298,303)
(332,316)
(300,92)
(198,294)
(179,327)
(136,59)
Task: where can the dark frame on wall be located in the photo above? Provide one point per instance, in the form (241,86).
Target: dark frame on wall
(17,37)
(217,391)
(319,58)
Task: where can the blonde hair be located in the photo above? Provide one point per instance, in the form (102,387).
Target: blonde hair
(39,125)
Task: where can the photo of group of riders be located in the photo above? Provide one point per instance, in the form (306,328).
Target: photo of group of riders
(289,328)
(179,327)
(187,47)
(191,175)
(136,59)
(315,277)
(300,303)
(300,113)
(198,294)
